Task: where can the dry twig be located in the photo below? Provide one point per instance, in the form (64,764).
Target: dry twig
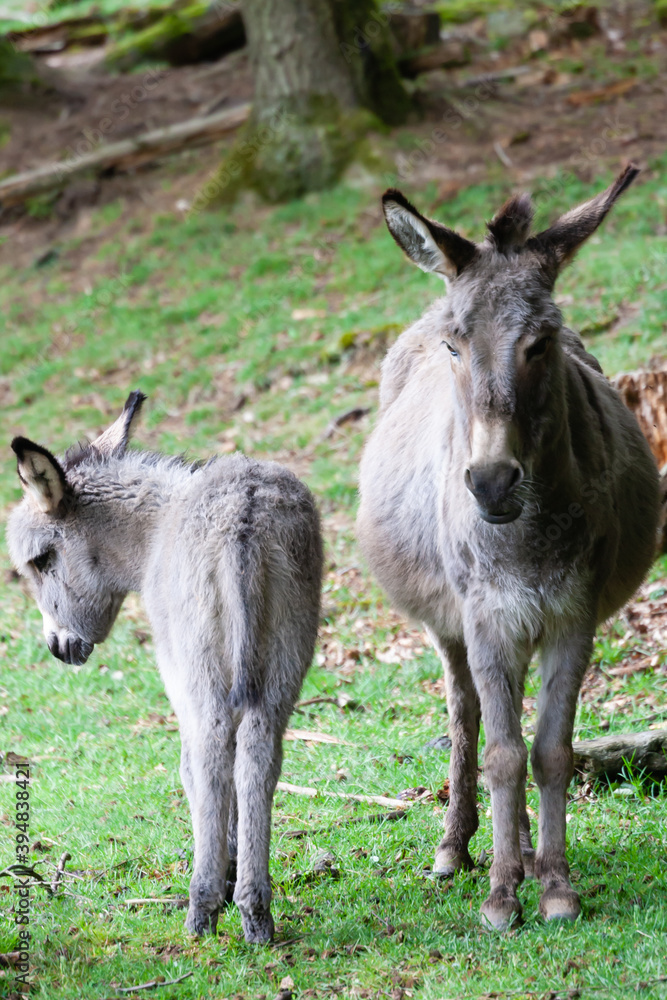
(65,857)
(154,983)
(314,793)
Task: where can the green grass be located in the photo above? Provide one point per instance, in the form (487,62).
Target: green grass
(196,312)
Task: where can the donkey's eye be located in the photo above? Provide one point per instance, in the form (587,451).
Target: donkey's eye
(538,349)
(451,350)
(40,562)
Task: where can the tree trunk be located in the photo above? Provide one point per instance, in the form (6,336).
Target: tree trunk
(320,67)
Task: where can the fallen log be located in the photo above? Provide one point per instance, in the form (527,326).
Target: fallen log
(450,54)
(195,33)
(123,155)
(609,756)
(90,30)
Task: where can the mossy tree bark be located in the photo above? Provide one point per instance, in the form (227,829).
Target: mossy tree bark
(322,68)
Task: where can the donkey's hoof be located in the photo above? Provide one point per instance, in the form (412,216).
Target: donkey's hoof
(448,862)
(257,927)
(200,922)
(560,902)
(528,858)
(501,912)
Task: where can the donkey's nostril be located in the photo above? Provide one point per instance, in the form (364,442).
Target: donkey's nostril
(516,478)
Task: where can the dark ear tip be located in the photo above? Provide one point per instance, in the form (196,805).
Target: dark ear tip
(20,445)
(393,194)
(133,403)
(135,399)
(625,179)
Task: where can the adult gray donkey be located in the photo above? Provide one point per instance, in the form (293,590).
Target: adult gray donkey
(228,559)
(509,501)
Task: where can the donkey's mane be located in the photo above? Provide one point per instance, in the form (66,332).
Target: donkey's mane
(510,227)
(85,453)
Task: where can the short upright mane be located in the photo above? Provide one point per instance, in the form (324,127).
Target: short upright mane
(510,227)
(85,453)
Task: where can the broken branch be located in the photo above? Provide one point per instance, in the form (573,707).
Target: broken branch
(123,155)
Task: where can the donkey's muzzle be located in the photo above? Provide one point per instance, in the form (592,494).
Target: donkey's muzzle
(493,487)
(71,649)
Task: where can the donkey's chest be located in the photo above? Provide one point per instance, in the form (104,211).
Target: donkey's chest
(524,594)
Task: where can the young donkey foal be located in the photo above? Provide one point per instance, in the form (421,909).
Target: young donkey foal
(227,557)
(509,501)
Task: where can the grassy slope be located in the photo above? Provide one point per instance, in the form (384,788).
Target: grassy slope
(181,311)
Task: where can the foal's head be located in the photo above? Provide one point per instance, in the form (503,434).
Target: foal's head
(59,537)
(501,328)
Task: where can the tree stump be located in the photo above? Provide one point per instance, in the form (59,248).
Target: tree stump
(645,393)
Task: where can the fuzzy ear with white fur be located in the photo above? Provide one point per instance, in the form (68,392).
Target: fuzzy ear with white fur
(114,440)
(561,241)
(40,473)
(431,246)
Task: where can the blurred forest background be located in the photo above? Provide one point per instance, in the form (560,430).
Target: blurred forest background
(190,206)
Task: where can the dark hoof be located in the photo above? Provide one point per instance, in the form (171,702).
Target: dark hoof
(528,858)
(257,927)
(501,912)
(560,903)
(449,861)
(199,922)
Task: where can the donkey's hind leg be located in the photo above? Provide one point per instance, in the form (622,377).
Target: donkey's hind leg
(207,774)
(563,666)
(256,771)
(461,819)
(232,845)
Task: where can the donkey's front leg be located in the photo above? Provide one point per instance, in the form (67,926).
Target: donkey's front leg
(207,774)
(525,840)
(563,664)
(496,678)
(256,771)
(463,706)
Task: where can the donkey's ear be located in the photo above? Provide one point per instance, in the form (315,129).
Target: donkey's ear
(40,473)
(562,240)
(114,440)
(429,245)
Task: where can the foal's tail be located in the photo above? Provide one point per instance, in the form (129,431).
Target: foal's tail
(246,637)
